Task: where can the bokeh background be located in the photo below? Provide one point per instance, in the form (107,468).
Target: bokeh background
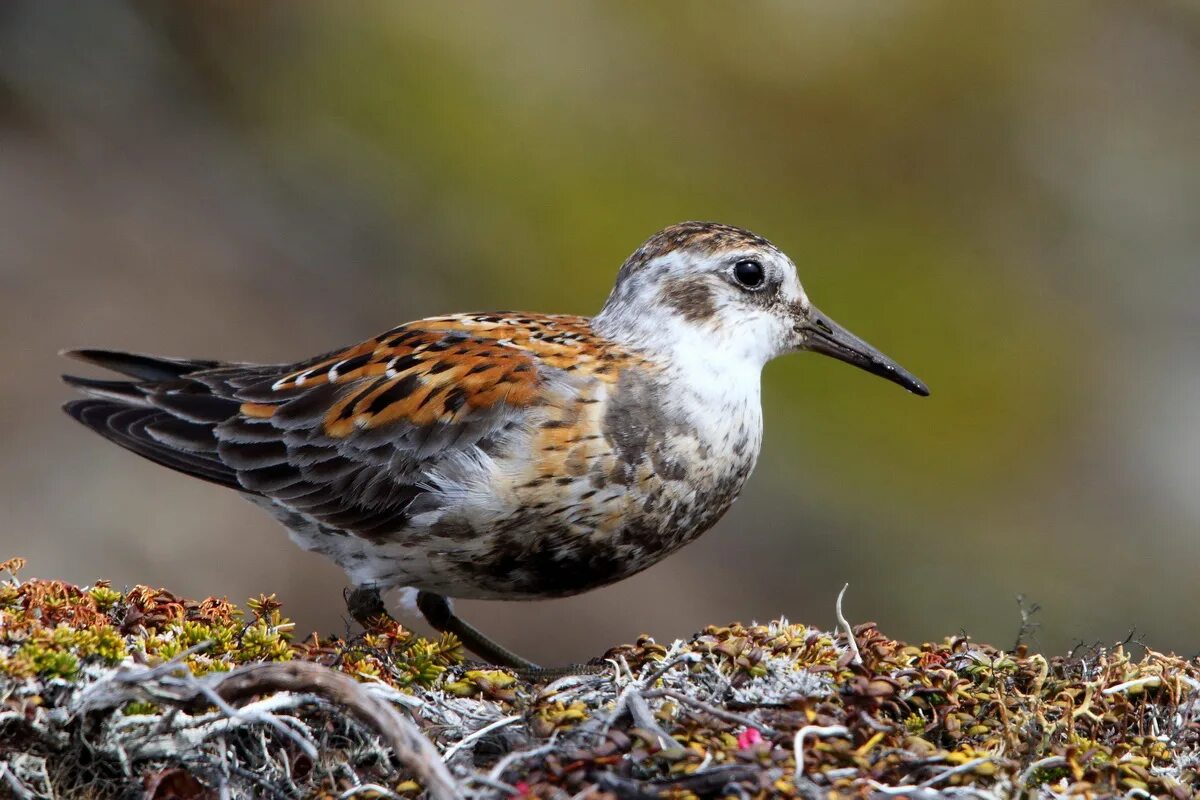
(1003,196)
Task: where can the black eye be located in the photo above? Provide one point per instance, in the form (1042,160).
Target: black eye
(749,273)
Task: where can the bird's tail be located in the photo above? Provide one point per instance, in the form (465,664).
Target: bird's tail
(161,414)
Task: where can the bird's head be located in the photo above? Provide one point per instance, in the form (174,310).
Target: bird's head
(731,293)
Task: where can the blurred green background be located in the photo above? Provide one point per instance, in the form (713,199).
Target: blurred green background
(1005,197)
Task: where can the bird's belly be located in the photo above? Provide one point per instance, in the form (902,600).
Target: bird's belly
(566,549)
(590,516)
(541,538)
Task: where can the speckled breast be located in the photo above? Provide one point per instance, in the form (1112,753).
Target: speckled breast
(619,478)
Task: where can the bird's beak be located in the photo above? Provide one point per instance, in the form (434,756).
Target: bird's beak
(822,335)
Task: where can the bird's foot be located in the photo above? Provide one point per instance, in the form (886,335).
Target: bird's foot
(547,674)
(437,612)
(365,605)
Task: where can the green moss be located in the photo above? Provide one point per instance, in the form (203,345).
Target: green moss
(39,658)
(139,708)
(104,596)
(558,716)
(267,639)
(489,684)
(52,629)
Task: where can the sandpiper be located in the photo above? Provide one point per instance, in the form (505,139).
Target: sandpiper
(499,455)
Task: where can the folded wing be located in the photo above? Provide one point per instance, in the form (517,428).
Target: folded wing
(345,439)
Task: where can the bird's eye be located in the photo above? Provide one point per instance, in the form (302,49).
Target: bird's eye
(749,273)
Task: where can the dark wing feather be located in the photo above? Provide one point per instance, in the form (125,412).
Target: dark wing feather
(127,426)
(137,365)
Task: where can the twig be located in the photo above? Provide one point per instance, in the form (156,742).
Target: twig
(266,786)
(507,788)
(554,689)
(632,701)
(936,779)
(374,788)
(670,664)
(408,744)
(703,783)
(251,713)
(622,665)
(377,688)
(707,708)
(223,792)
(643,717)
(915,793)
(812,730)
(709,781)
(624,788)
(497,772)
(1153,680)
(102,695)
(1028,625)
(484,731)
(851,642)
(19,789)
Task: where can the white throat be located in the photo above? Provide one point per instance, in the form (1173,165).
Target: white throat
(716,385)
(715,363)
(719,375)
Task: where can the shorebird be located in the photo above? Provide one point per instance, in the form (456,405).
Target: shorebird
(499,455)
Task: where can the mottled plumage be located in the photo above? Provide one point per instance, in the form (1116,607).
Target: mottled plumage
(499,455)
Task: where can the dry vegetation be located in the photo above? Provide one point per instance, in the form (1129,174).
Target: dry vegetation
(140,693)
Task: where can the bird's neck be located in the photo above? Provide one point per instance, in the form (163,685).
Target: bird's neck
(719,380)
(710,358)
(713,384)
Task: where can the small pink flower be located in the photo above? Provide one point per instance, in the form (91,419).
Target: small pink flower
(748,738)
(522,788)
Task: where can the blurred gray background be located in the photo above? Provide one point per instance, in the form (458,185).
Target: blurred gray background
(1005,197)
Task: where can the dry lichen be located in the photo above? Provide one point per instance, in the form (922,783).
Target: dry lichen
(726,713)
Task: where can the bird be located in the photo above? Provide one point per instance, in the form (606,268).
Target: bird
(499,455)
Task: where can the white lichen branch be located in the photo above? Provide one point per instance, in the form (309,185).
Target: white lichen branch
(844,625)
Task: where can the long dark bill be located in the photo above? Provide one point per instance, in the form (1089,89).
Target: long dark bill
(823,335)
